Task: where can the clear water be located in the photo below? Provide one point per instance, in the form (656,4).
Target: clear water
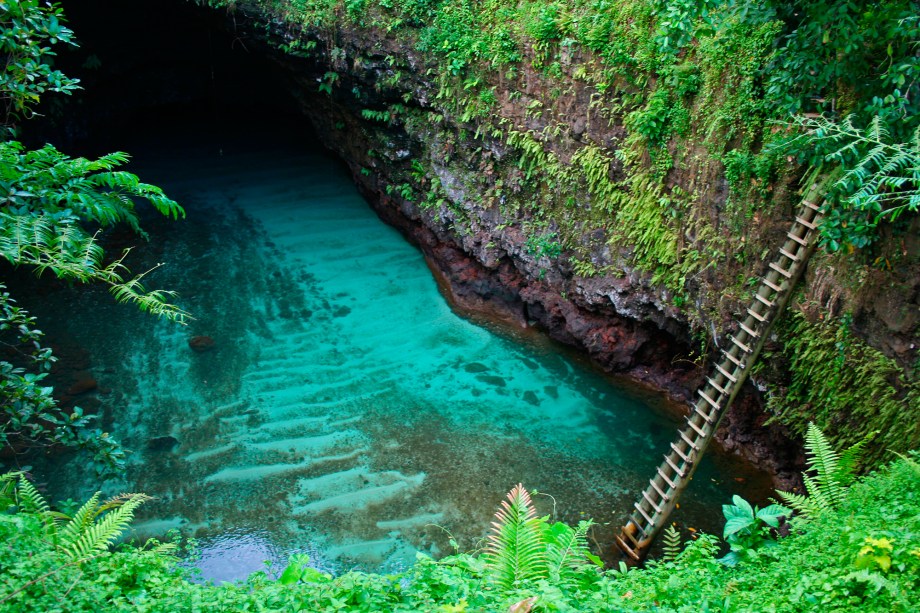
(345,410)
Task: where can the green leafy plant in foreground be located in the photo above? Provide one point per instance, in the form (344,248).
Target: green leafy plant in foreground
(832,474)
(749,529)
(524,548)
(92,529)
(863,556)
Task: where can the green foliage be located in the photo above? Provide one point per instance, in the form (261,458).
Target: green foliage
(543,245)
(48,201)
(671,544)
(848,389)
(750,530)
(29,415)
(863,556)
(516,554)
(46,197)
(524,548)
(832,473)
(880,178)
(842,56)
(94,527)
(28,28)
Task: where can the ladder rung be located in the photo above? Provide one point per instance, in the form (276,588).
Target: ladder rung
(764,301)
(649,500)
(780,270)
(670,483)
(695,427)
(749,332)
(635,522)
(714,404)
(740,345)
(627,550)
(811,205)
(791,256)
(674,467)
(772,285)
(664,495)
(734,360)
(756,315)
(644,514)
(726,374)
(797,239)
(687,440)
(807,224)
(717,387)
(683,456)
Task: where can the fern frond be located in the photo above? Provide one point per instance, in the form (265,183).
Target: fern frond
(850,459)
(671,543)
(515,552)
(804,506)
(155,302)
(81,520)
(566,550)
(825,461)
(97,537)
(118,500)
(31,500)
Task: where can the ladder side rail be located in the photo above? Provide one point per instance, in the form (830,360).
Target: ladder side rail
(780,300)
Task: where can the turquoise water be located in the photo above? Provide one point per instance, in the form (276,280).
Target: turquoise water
(344,410)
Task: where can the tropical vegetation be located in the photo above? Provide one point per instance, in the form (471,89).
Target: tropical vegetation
(54,212)
(863,554)
(766,88)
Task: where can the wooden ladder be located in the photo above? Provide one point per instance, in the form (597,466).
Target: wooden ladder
(653,508)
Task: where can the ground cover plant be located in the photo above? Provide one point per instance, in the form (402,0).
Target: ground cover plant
(860,555)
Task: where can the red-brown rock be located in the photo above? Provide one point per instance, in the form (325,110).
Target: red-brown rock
(200,344)
(82,385)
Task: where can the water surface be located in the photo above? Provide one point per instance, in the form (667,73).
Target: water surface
(344,410)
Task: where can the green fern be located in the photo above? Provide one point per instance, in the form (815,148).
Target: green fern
(524,548)
(827,487)
(671,543)
(90,531)
(567,552)
(109,521)
(516,553)
(47,199)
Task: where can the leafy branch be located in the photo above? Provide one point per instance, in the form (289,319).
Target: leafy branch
(29,415)
(46,197)
(880,178)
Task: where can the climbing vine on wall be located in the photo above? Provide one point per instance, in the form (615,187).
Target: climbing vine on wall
(846,387)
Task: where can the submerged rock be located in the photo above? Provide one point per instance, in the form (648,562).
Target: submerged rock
(162,443)
(84,383)
(200,344)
